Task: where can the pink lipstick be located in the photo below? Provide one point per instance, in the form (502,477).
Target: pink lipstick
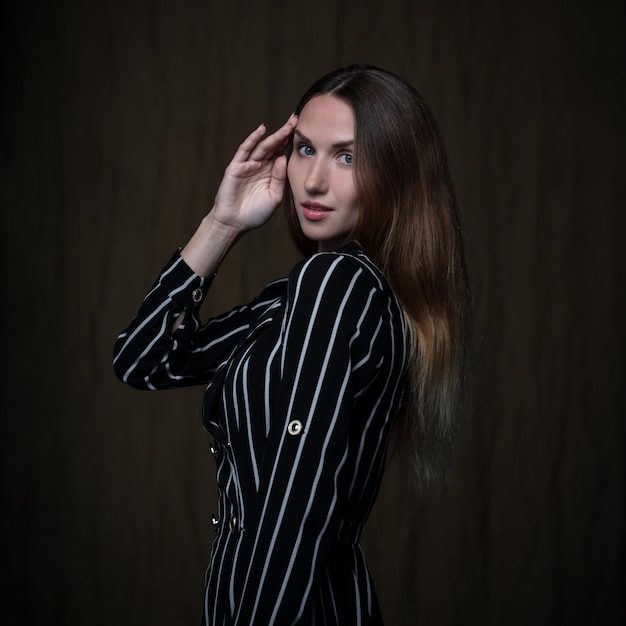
(315,211)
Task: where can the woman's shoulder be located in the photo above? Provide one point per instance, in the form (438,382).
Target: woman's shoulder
(345,287)
(346,264)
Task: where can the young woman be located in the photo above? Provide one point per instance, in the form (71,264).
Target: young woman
(305,382)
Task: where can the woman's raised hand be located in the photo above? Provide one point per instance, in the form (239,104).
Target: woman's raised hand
(254,181)
(250,192)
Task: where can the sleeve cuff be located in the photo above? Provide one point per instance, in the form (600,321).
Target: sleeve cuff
(182,284)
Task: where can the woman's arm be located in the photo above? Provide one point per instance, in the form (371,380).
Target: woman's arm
(332,351)
(156,352)
(165,344)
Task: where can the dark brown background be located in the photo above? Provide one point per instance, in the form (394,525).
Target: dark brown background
(117,120)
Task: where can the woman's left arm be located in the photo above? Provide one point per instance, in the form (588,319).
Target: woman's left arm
(331,351)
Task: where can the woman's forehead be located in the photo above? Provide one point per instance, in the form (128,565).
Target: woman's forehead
(326,118)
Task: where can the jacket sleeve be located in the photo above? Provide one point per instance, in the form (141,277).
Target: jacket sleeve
(148,355)
(331,353)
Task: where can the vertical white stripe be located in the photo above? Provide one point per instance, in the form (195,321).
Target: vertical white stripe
(248,421)
(267,386)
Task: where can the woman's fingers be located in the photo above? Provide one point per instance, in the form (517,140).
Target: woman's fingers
(279,176)
(276,142)
(249,143)
(257,148)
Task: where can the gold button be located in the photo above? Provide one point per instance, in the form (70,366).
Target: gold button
(295,427)
(197,295)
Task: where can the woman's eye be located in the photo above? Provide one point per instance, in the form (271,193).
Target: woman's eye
(305,149)
(345,159)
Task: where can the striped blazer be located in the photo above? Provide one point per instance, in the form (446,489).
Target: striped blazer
(302,388)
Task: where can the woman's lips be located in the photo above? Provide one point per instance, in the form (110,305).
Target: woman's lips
(315,211)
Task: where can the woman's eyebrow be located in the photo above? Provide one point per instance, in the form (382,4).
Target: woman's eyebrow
(339,144)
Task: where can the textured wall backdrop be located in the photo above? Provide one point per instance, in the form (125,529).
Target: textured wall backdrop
(117,120)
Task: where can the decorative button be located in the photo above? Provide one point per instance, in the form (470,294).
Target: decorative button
(213,449)
(215,523)
(233,524)
(295,427)
(197,295)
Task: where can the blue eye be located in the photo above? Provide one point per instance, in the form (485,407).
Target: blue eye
(305,149)
(346,159)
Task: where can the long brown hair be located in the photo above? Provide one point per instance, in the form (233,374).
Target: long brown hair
(409,226)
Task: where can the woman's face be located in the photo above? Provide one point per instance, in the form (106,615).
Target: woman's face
(320,171)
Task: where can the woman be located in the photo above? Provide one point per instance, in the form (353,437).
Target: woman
(305,382)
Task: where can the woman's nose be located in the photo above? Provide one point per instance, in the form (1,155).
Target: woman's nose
(316,180)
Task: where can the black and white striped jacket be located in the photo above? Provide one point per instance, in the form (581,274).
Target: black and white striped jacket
(303,386)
